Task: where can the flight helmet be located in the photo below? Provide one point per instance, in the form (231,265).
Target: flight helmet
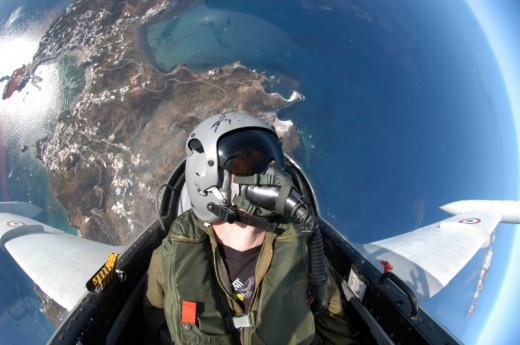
(220,147)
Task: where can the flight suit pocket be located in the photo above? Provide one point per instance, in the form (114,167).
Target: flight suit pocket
(209,330)
(213,323)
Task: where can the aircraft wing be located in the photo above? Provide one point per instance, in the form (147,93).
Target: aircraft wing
(59,263)
(428,258)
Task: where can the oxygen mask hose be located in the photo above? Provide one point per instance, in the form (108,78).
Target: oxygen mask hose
(319,276)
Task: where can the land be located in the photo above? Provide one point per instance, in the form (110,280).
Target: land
(120,141)
(16,81)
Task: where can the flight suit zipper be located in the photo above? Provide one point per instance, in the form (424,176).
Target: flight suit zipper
(219,266)
(263,262)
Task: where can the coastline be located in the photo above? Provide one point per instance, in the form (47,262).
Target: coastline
(175,7)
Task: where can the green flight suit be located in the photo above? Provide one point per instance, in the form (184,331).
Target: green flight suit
(188,268)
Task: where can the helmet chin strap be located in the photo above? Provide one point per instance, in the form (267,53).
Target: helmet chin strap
(232,215)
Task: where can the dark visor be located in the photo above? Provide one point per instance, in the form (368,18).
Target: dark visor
(249,152)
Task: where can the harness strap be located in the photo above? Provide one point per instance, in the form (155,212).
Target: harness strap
(283,195)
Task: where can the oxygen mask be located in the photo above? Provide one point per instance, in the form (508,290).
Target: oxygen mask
(270,193)
(255,187)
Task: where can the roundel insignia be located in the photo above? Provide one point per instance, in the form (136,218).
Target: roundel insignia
(470,221)
(15,223)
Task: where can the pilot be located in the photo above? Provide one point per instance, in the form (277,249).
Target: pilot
(236,271)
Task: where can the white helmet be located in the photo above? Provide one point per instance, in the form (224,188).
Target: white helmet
(229,143)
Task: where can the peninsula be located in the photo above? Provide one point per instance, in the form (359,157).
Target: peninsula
(119,142)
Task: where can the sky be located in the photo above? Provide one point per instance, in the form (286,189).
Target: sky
(500,20)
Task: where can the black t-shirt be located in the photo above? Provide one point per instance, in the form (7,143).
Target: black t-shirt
(241,271)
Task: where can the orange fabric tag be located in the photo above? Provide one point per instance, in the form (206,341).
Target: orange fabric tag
(189,312)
